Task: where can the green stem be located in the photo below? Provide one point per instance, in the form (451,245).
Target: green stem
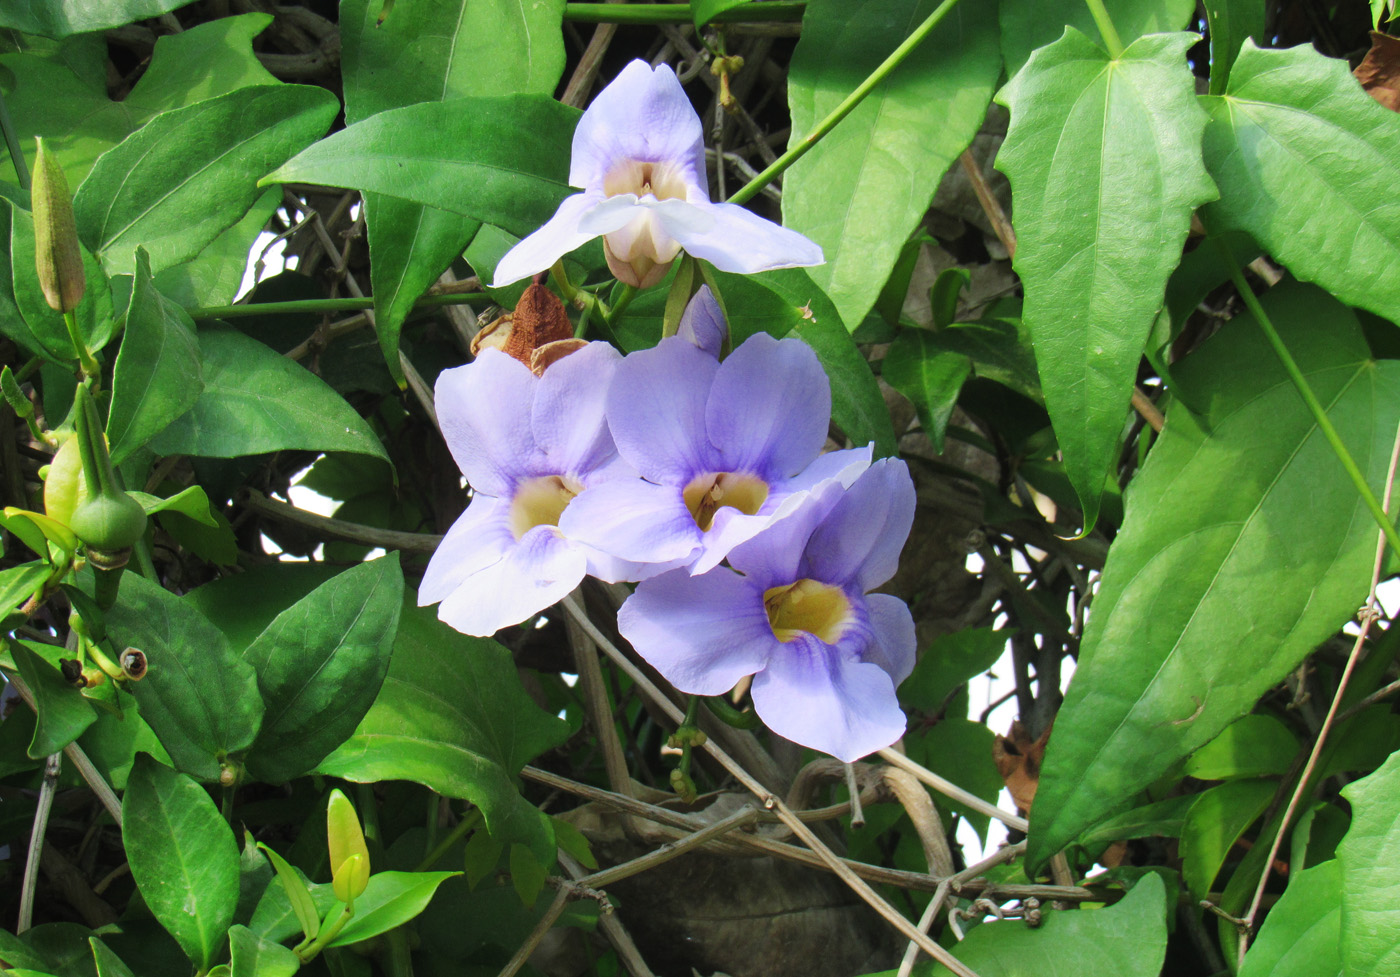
(897,56)
(323,305)
(727,714)
(1104,23)
(629,292)
(455,835)
(1319,413)
(7,126)
(85,360)
(327,934)
(774,11)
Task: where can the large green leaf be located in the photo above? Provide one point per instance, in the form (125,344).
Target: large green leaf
(158,375)
(255,400)
(214,276)
(108,963)
(1029,24)
(1128,939)
(1213,825)
(63,712)
(183,857)
(1105,166)
(1230,23)
(208,60)
(1301,933)
(59,18)
(452,715)
(1306,163)
(503,160)
(252,956)
(1242,533)
(919,367)
(1256,746)
(320,664)
(789,303)
(1370,857)
(181,180)
(867,185)
(488,49)
(390,899)
(200,699)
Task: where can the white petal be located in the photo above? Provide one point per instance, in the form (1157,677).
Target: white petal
(740,241)
(540,570)
(480,537)
(556,238)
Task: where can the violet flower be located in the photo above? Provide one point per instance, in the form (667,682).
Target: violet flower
(639,157)
(528,446)
(825,654)
(723,449)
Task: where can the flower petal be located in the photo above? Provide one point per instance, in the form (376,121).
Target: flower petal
(540,570)
(742,242)
(559,235)
(656,411)
(702,633)
(769,407)
(812,694)
(633,520)
(861,538)
(777,556)
(893,626)
(643,114)
(702,323)
(484,411)
(568,418)
(844,466)
(480,537)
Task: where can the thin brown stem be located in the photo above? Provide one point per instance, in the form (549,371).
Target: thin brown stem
(546,923)
(952,790)
(328,528)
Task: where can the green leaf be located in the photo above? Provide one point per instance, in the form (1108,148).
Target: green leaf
(527,874)
(1300,936)
(1369,856)
(790,303)
(275,919)
(18,584)
(214,276)
(63,712)
(60,18)
(1120,140)
(503,160)
(297,892)
(943,295)
(1254,746)
(391,899)
(1230,22)
(1160,819)
(932,377)
(183,857)
(1000,350)
(33,528)
(1128,939)
(1213,825)
(158,375)
(255,400)
(1306,162)
(482,853)
(189,174)
(108,963)
(320,665)
(948,663)
(865,186)
(572,841)
(452,715)
(203,62)
(191,502)
(243,605)
(1030,24)
(199,698)
(961,751)
(253,956)
(1232,541)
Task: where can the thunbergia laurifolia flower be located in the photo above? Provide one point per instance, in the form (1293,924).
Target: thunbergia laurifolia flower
(723,448)
(639,157)
(825,653)
(528,445)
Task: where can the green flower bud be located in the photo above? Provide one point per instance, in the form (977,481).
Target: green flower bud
(58,258)
(109,521)
(349,856)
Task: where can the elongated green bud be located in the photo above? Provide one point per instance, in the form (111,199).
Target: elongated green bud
(349,855)
(58,258)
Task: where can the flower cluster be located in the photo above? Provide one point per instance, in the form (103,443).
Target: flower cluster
(699,476)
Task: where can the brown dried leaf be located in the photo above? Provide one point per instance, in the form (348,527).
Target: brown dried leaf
(1018,759)
(539,319)
(1379,71)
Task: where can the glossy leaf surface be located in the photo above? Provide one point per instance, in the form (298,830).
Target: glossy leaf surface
(1369,856)
(1300,936)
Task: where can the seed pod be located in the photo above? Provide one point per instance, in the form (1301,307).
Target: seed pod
(58,258)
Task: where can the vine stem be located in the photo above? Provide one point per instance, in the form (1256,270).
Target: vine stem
(749,190)
(348,304)
(949,789)
(858,885)
(1319,413)
(47,788)
(1104,23)
(1368,615)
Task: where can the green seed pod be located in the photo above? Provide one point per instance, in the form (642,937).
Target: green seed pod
(58,258)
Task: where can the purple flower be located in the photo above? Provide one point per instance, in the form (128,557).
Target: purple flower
(639,157)
(528,446)
(826,655)
(723,449)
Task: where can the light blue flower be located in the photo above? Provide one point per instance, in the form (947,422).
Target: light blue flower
(639,157)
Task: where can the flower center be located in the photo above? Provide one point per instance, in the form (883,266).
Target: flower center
(707,493)
(540,502)
(660,180)
(807,606)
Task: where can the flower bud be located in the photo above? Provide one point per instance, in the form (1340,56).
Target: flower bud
(58,258)
(108,521)
(348,855)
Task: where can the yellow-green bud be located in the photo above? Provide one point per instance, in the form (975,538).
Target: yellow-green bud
(348,855)
(58,258)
